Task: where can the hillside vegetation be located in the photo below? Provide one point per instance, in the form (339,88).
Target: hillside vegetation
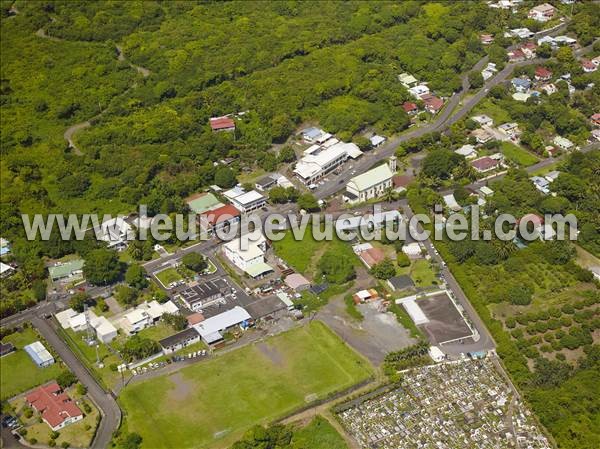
(283,62)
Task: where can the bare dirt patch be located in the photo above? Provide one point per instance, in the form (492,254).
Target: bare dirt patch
(271,353)
(182,388)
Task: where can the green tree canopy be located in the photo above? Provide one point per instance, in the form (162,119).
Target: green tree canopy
(102,267)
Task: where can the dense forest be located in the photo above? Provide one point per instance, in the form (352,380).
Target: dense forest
(284,62)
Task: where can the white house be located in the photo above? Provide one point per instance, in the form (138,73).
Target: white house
(468,151)
(136,320)
(372,183)
(483,120)
(373,221)
(418,91)
(407,80)
(105,331)
(376,140)
(116,232)
(481,135)
(563,143)
(509,129)
(248,255)
(542,13)
(211,329)
(412,250)
(39,354)
(249,201)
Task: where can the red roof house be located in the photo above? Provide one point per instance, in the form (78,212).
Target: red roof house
(219,217)
(194,318)
(486,39)
(433,104)
(485,164)
(533,218)
(222,123)
(410,108)
(372,256)
(543,74)
(401,182)
(588,66)
(528,49)
(57,409)
(516,55)
(596,118)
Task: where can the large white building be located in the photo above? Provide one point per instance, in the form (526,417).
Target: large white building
(324,159)
(372,183)
(248,257)
(211,329)
(116,232)
(249,201)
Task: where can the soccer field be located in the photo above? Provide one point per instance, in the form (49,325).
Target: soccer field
(212,403)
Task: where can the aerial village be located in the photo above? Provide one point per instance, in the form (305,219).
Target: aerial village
(191,302)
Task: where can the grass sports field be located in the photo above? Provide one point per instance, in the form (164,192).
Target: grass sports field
(214,402)
(19,373)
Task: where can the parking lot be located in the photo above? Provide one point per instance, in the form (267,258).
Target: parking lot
(445,321)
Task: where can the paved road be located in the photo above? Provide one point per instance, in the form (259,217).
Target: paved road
(111,413)
(532,168)
(442,122)
(485,342)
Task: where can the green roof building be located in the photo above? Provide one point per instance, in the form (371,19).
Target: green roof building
(370,184)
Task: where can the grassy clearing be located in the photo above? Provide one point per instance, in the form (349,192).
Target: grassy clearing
(497,113)
(518,155)
(319,434)
(312,302)
(157,332)
(422,273)
(19,373)
(586,259)
(544,170)
(215,401)
(303,255)
(169,275)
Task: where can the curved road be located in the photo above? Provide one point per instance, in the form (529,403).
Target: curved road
(442,122)
(111,413)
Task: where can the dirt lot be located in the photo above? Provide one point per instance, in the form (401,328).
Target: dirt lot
(374,337)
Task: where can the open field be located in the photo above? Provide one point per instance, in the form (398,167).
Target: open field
(318,434)
(421,272)
(19,373)
(167,276)
(518,155)
(496,112)
(214,402)
(303,255)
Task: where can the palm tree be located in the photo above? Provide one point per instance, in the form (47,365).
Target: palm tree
(389,195)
